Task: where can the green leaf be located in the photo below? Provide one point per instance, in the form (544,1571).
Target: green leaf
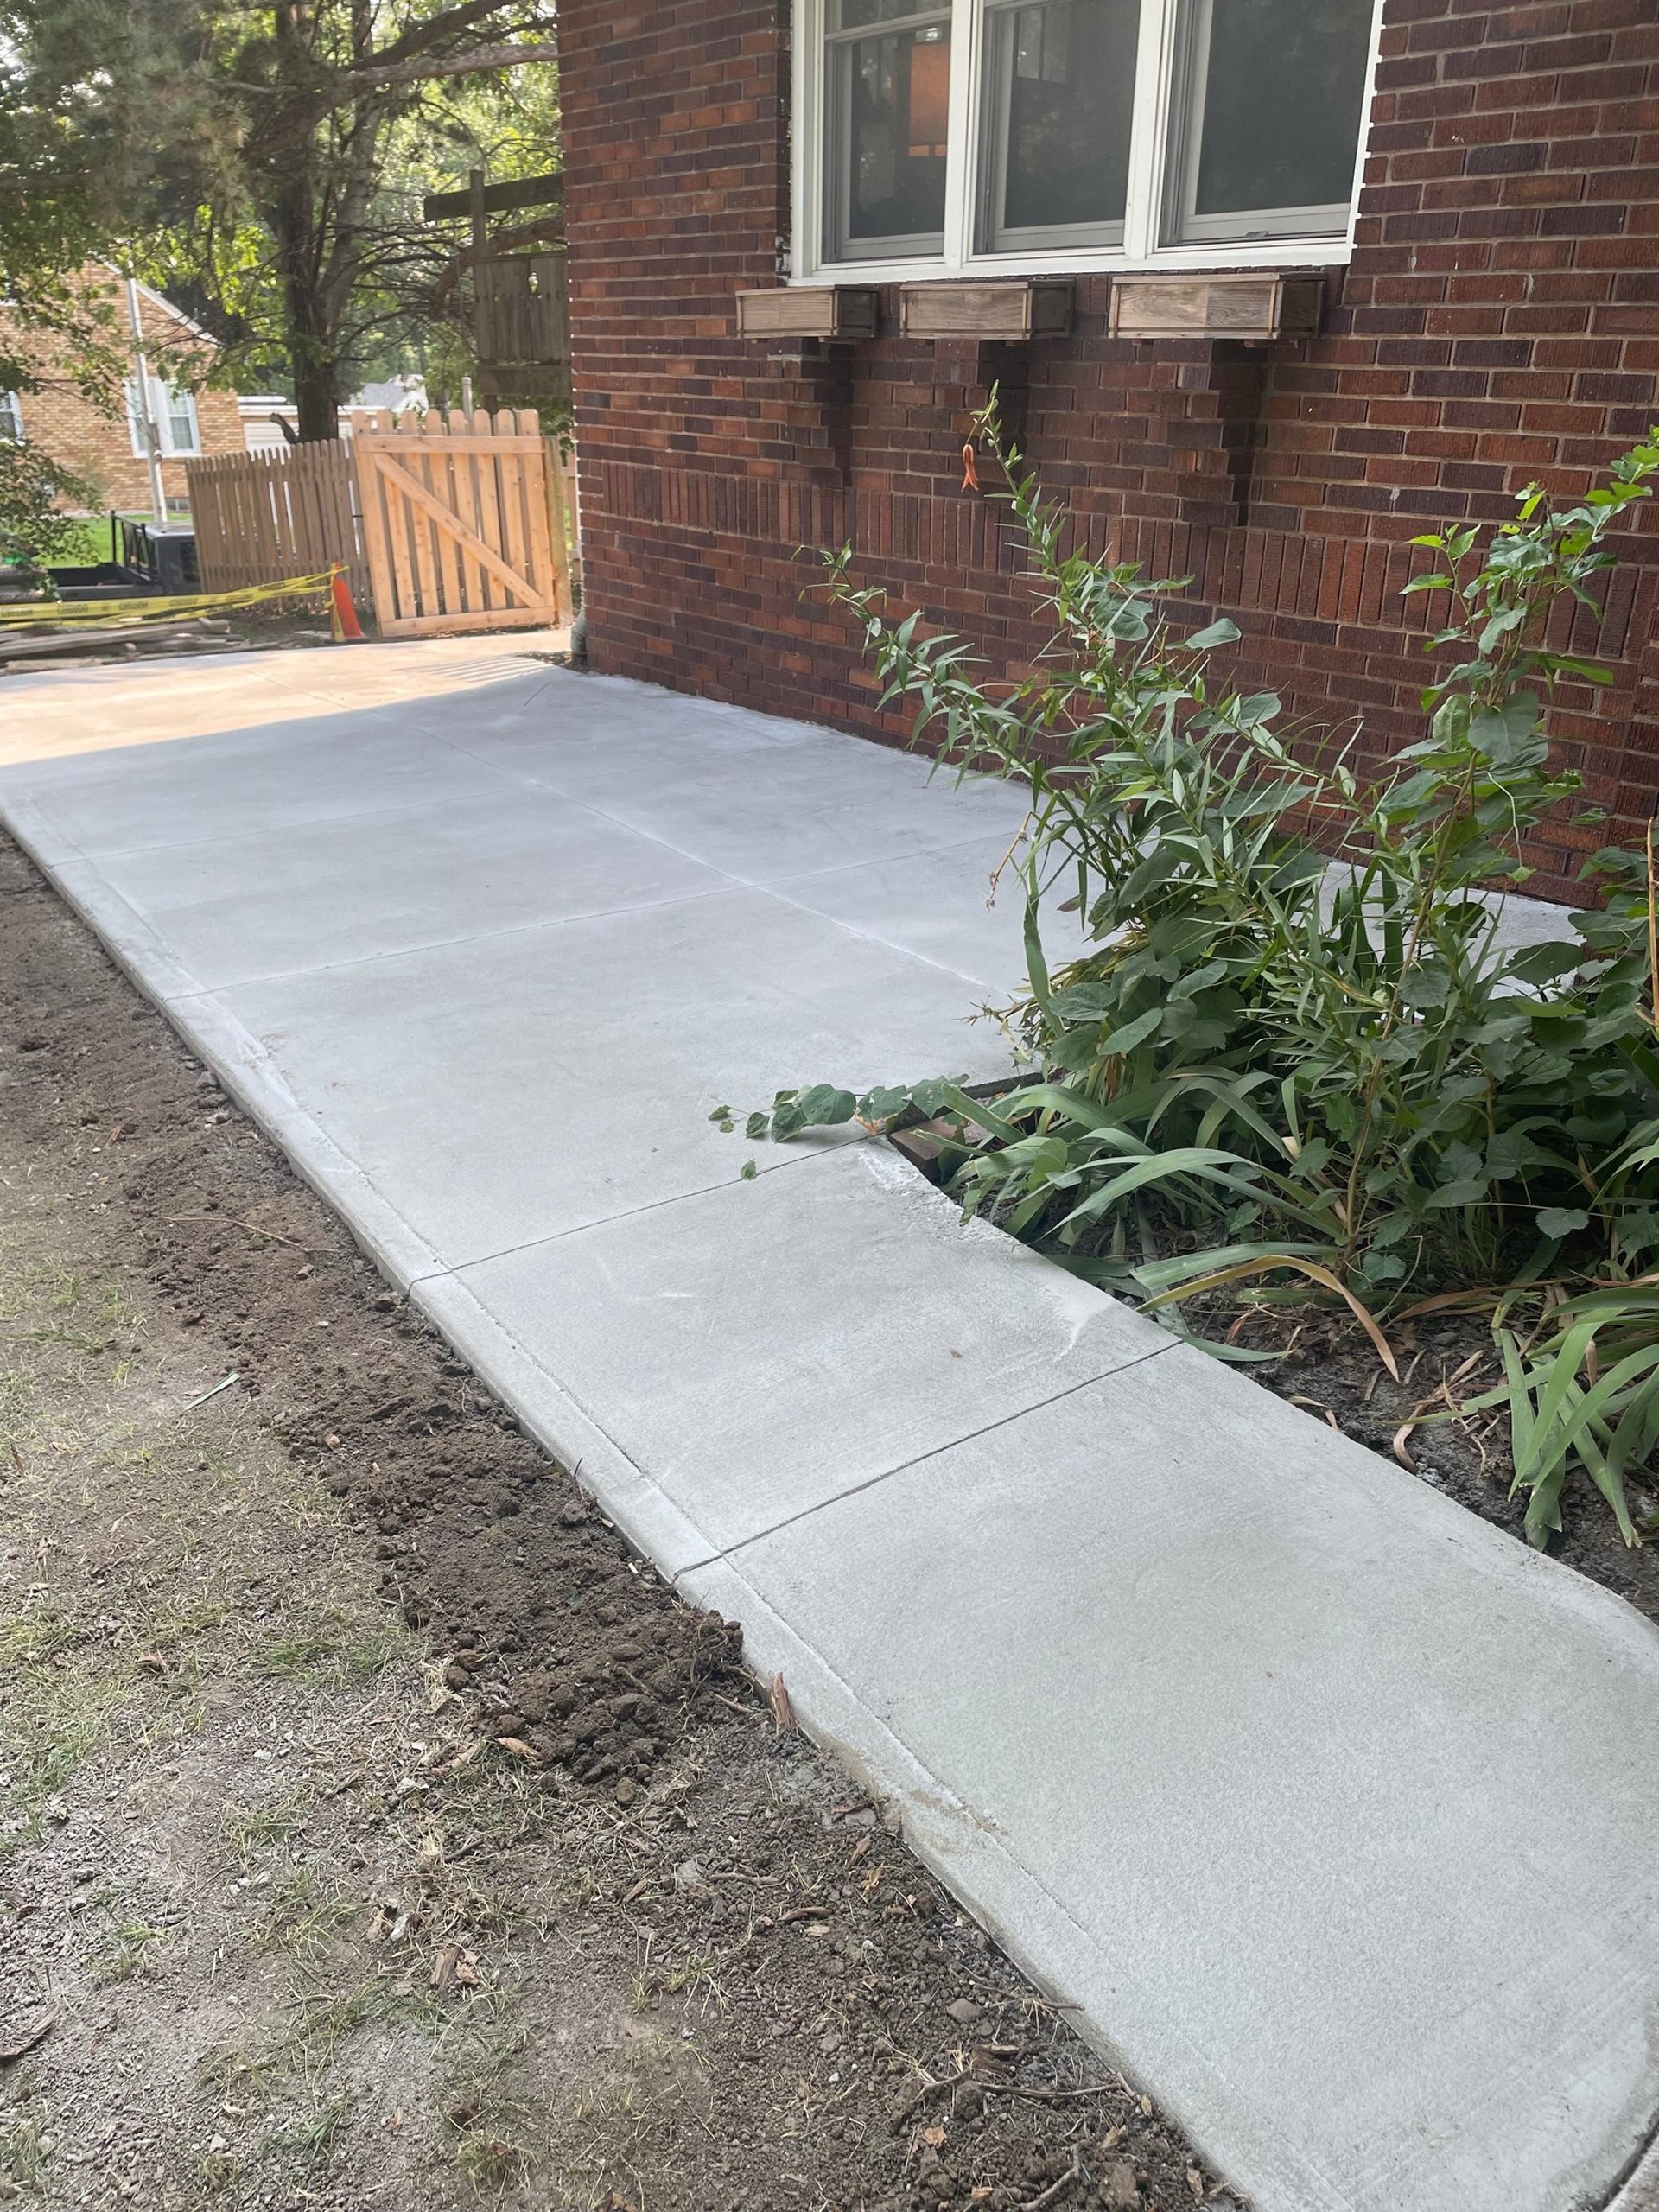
(1562,1221)
(1123,1041)
(747,1172)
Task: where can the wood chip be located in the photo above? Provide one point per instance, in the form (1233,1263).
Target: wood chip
(443,1966)
(782,1712)
(31,2036)
(516,1747)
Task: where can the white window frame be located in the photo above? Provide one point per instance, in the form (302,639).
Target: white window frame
(11,418)
(1158,167)
(163,399)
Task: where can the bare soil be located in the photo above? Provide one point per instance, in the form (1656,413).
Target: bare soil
(375,1831)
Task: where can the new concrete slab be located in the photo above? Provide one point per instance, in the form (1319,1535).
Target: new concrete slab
(505,1088)
(1330,1806)
(764,1346)
(1301,1746)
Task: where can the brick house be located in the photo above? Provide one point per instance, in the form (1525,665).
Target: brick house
(1411,253)
(109,447)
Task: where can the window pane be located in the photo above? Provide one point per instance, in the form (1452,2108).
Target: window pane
(1282,84)
(181,432)
(851,14)
(1065,86)
(12,415)
(889,120)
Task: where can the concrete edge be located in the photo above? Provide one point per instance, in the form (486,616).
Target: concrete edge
(967,1853)
(1640,2190)
(652,1524)
(247,1071)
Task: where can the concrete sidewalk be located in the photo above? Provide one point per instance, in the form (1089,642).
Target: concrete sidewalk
(1331,1806)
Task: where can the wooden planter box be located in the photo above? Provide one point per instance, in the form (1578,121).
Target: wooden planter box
(1241,305)
(1011,308)
(843,312)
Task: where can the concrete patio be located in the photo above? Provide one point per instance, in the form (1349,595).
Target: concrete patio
(1330,1806)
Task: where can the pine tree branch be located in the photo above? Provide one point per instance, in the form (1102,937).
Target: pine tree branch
(381,76)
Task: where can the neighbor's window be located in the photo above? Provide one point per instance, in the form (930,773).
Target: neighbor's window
(11,418)
(173,411)
(179,430)
(968,129)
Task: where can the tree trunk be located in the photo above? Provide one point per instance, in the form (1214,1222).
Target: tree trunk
(312,344)
(317,397)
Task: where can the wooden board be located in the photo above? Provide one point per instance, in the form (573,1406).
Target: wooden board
(1241,304)
(834,311)
(1012,308)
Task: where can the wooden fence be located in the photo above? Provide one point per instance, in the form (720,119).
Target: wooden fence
(442,524)
(260,518)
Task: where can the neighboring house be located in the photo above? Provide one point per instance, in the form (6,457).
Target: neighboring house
(1464,196)
(270,423)
(109,448)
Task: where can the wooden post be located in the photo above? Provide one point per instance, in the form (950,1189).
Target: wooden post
(481,242)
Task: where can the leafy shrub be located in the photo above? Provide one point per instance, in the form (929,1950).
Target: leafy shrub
(1293,1045)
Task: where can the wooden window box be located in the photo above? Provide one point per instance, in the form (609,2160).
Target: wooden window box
(837,312)
(1229,305)
(1011,309)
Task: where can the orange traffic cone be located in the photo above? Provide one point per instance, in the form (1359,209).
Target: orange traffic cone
(346,628)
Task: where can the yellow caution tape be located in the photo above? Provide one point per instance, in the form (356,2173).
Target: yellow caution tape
(106,611)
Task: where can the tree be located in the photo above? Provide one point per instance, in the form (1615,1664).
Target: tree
(53,330)
(264,127)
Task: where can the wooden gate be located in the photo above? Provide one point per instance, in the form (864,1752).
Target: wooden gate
(463,522)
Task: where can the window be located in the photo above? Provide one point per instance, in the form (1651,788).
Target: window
(943,135)
(173,411)
(11,418)
(888,67)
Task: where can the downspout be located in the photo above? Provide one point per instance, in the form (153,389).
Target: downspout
(144,409)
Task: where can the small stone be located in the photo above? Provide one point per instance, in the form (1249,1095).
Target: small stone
(964,2009)
(627,1790)
(1119,2191)
(690,1880)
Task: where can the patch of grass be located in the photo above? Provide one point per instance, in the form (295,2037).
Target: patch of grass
(323,2020)
(491,2161)
(26,2148)
(56,1716)
(232,2075)
(310,2135)
(331,1652)
(127,1952)
(219,2170)
(249,1829)
(304,1919)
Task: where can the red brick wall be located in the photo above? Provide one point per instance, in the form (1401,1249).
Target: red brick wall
(1499,322)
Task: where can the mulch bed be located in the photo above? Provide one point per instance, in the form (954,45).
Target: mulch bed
(1331,1370)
